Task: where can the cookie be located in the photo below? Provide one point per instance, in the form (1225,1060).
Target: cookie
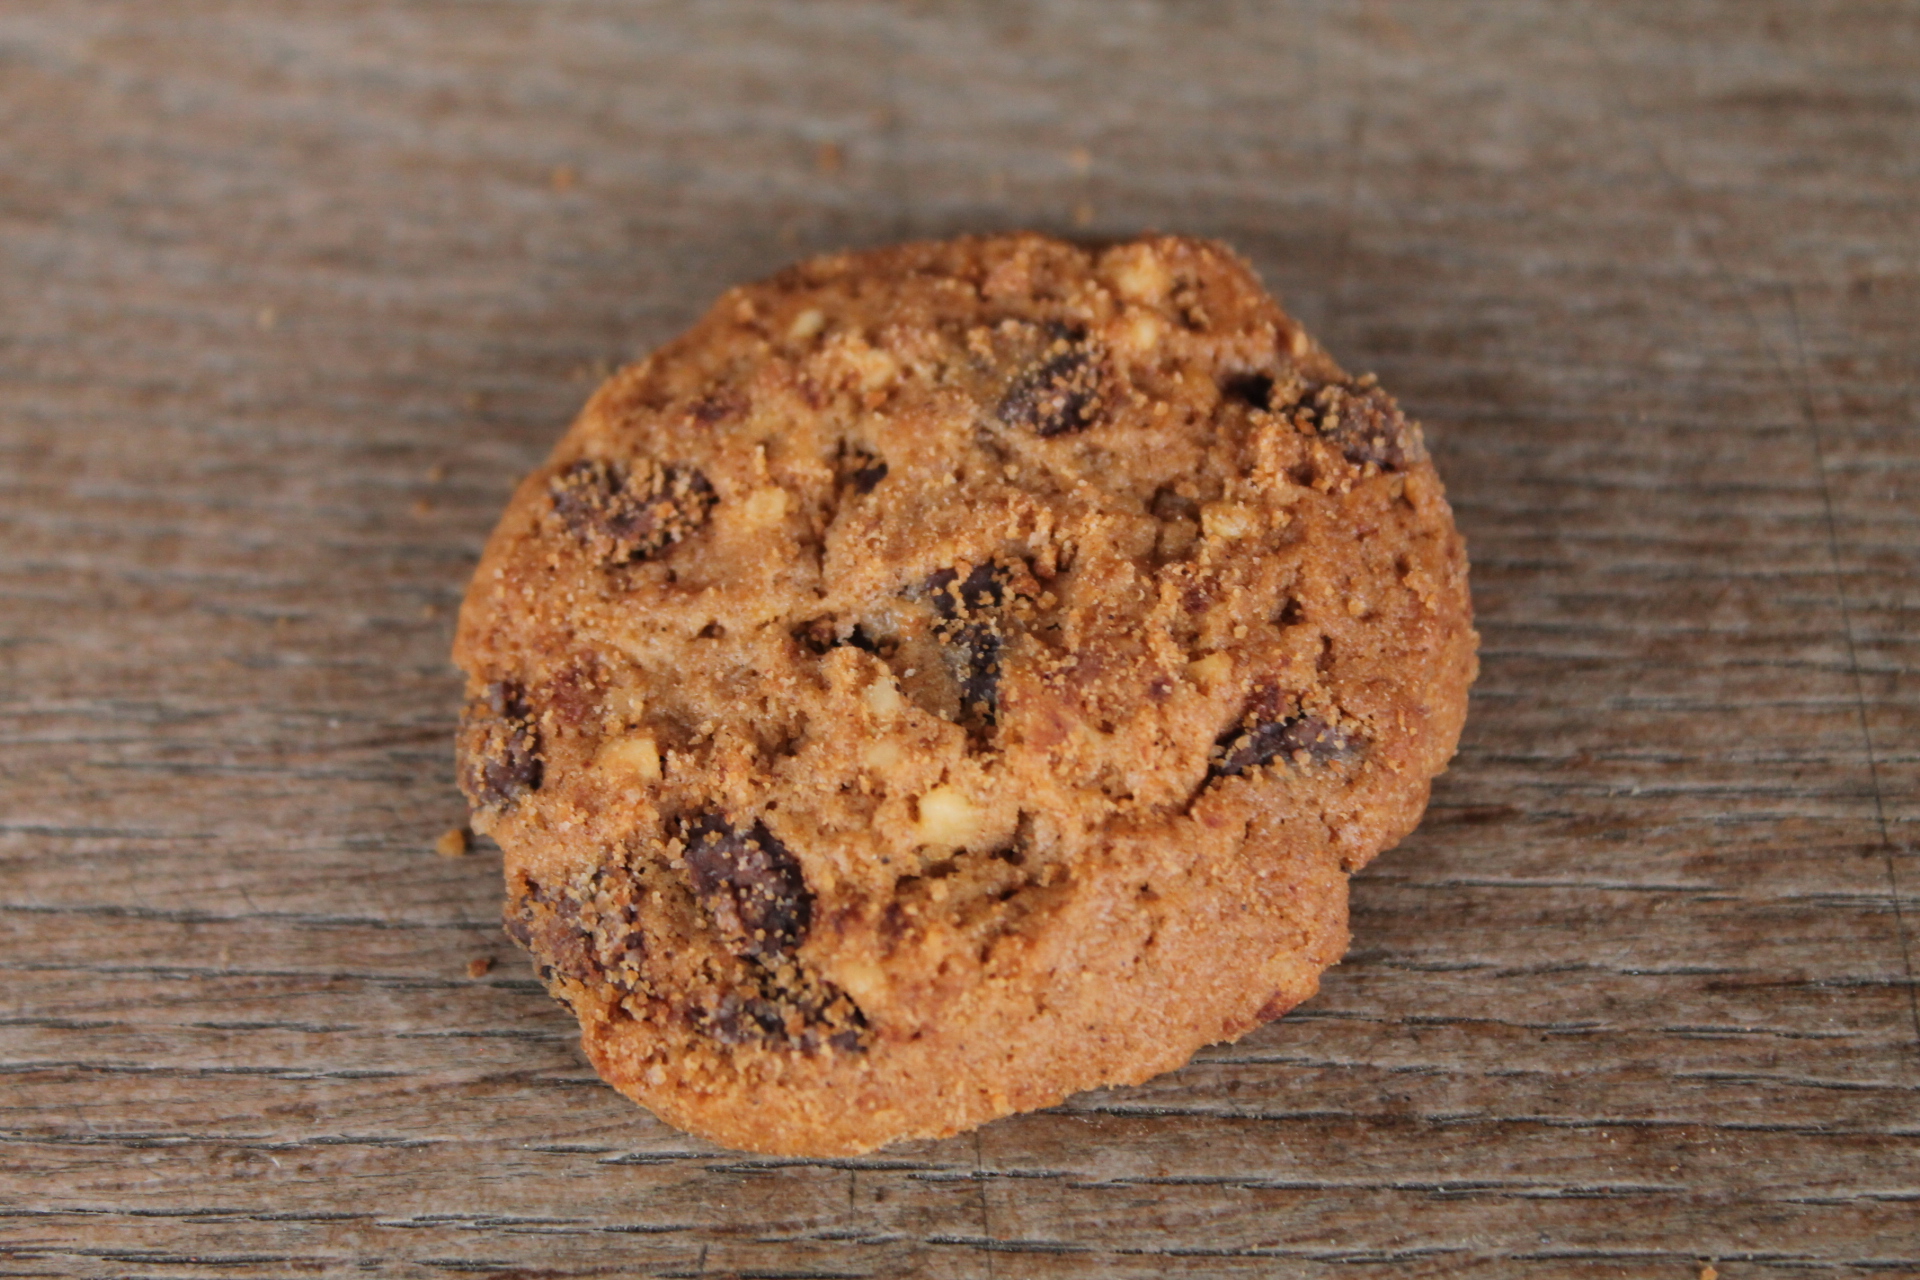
(953,676)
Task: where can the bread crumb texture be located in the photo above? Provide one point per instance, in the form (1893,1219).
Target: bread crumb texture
(953,676)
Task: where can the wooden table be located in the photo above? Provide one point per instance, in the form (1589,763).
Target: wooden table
(291,293)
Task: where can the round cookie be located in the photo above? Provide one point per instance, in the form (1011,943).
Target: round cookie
(953,676)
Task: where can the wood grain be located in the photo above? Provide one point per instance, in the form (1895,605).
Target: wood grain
(291,293)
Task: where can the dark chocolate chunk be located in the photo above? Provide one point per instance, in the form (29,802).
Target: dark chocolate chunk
(1365,423)
(499,747)
(590,935)
(719,405)
(518,922)
(768,1012)
(740,1019)
(1064,392)
(984,588)
(836,1009)
(630,514)
(563,946)
(1267,740)
(750,884)
(970,639)
(973,654)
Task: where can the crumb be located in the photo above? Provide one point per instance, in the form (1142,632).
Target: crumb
(479,966)
(452,843)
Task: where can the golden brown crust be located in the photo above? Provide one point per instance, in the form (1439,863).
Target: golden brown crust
(953,676)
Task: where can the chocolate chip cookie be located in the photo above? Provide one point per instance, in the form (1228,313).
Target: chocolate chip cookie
(952,676)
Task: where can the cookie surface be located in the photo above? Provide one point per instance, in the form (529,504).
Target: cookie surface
(953,676)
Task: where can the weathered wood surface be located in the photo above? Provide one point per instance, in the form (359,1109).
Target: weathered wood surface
(291,293)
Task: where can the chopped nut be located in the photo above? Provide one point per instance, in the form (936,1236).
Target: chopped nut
(1140,333)
(764,506)
(883,698)
(1139,274)
(882,756)
(1227,520)
(948,817)
(862,979)
(806,325)
(635,758)
(1210,671)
